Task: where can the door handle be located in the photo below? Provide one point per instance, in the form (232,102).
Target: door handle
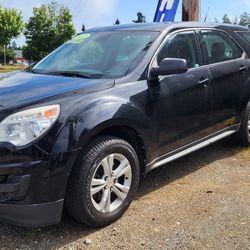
(243,69)
(204,81)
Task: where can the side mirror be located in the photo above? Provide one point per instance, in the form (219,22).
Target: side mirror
(170,66)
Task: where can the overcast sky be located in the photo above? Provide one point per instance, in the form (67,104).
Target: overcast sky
(105,12)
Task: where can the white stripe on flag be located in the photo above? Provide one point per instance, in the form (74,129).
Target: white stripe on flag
(162,17)
(166,4)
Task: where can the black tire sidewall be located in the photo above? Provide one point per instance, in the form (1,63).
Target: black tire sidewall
(242,135)
(247,115)
(246,127)
(125,149)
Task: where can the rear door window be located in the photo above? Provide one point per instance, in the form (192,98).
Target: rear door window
(218,47)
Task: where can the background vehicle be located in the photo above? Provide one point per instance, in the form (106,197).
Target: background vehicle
(82,126)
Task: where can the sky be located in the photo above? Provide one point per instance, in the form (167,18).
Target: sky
(104,12)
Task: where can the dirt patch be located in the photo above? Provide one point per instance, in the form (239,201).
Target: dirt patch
(201,201)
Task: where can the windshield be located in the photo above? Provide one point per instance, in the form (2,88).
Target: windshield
(98,54)
(245,35)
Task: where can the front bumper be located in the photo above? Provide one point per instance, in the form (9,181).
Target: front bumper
(34,215)
(33,185)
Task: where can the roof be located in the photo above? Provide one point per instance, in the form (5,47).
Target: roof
(163,26)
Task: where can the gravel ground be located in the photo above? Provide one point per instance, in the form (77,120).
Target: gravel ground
(201,201)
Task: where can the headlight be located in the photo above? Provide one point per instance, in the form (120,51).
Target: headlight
(24,127)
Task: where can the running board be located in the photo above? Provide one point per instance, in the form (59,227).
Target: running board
(191,149)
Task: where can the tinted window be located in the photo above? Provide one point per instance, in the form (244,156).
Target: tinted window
(182,45)
(218,47)
(245,35)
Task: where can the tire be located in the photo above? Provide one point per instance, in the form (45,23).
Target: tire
(83,201)
(242,137)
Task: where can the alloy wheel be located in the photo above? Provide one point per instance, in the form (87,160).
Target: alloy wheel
(110,183)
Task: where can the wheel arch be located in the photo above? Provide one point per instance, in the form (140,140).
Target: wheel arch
(133,137)
(127,133)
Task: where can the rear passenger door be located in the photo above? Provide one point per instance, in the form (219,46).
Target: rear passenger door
(227,65)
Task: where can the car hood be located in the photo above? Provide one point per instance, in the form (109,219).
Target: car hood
(23,88)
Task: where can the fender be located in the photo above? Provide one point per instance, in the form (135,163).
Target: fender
(110,112)
(88,115)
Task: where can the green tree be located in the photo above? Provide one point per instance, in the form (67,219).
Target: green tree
(9,53)
(235,20)
(140,18)
(117,22)
(225,19)
(245,19)
(49,27)
(11,25)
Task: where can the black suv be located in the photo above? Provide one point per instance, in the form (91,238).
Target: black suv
(79,129)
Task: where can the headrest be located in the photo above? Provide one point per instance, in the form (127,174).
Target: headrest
(218,50)
(179,48)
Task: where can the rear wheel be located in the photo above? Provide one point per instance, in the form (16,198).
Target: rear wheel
(242,137)
(104,182)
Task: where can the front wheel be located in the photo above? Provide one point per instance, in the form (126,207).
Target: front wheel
(104,182)
(242,137)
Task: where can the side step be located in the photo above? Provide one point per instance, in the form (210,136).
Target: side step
(173,156)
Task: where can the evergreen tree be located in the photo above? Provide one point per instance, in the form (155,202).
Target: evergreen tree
(117,22)
(140,18)
(83,28)
(225,19)
(245,19)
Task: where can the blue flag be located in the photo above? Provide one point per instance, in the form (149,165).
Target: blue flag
(166,10)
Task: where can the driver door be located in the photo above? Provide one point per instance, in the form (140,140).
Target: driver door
(182,113)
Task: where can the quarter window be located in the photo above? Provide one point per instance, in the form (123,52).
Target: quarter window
(182,45)
(245,35)
(218,47)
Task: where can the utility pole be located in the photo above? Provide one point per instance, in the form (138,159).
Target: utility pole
(4,55)
(191,10)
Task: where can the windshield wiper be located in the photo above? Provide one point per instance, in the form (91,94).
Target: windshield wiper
(31,70)
(69,74)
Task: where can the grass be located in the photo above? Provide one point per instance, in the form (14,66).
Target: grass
(9,68)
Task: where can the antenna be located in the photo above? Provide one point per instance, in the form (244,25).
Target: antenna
(205,19)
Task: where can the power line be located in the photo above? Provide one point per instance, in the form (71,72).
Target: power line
(206,14)
(76,7)
(79,9)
